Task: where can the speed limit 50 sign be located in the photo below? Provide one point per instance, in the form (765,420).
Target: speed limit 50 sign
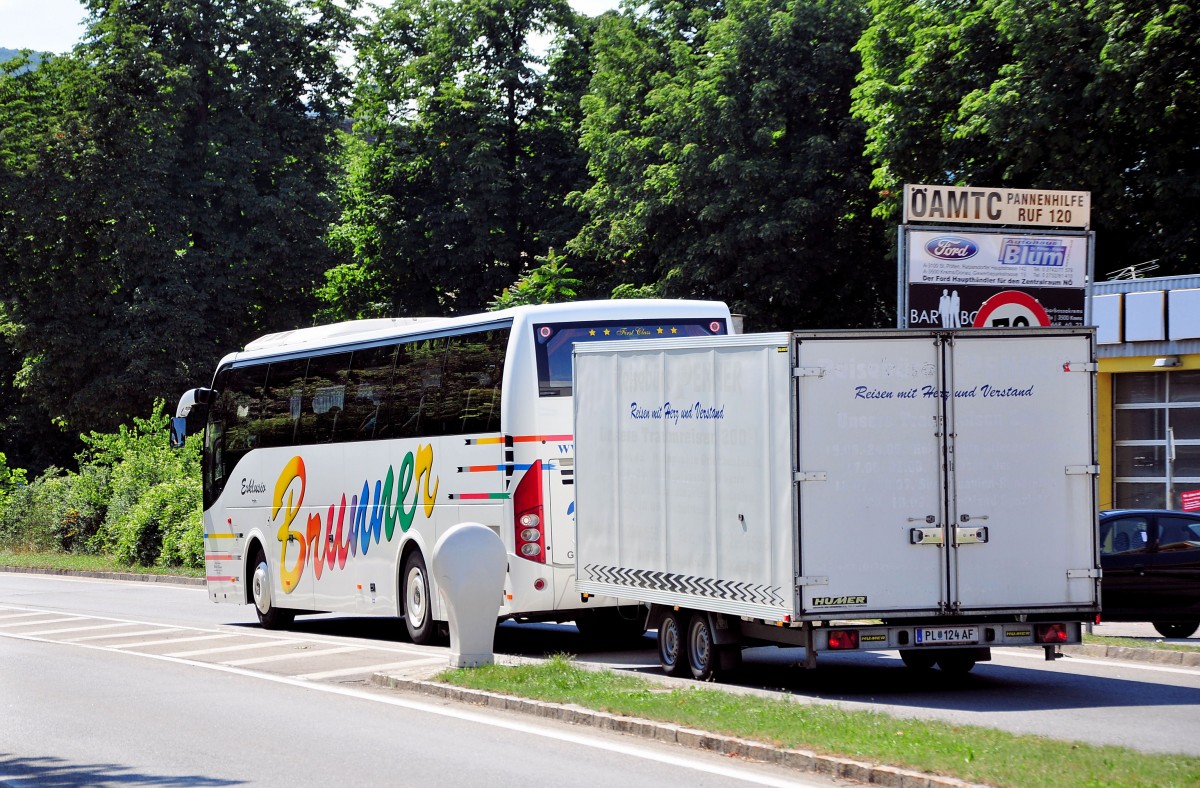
(1011,308)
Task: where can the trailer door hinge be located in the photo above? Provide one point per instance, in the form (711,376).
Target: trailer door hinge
(1073,574)
(1080,366)
(810,476)
(1083,470)
(815,580)
(808,372)
(930,536)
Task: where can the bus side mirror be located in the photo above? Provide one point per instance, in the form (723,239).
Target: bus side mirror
(193,406)
(178,431)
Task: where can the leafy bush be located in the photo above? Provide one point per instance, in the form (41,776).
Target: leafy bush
(10,479)
(133,498)
(33,515)
(139,514)
(163,527)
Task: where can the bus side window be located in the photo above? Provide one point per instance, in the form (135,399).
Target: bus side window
(474,369)
(281,402)
(233,424)
(417,386)
(324,398)
(367,411)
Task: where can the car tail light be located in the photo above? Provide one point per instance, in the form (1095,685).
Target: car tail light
(1050,633)
(528,516)
(842,639)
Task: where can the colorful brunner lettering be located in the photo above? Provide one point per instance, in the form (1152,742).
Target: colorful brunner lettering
(371,517)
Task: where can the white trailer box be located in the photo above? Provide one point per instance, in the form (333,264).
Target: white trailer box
(937,489)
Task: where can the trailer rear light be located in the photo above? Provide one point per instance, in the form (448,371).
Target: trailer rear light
(528,515)
(1050,633)
(843,639)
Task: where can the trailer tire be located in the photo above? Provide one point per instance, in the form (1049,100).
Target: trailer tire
(917,660)
(956,663)
(707,660)
(672,643)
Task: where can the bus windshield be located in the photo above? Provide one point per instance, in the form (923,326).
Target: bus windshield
(555,340)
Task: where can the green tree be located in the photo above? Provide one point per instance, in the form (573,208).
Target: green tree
(1097,96)
(727,164)
(468,161)
(549,283)
(171,203)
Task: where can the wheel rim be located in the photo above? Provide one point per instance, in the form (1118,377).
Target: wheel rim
(700,652)
(260,587)
(415,602)
(669,641)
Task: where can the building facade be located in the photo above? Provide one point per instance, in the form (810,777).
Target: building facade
(1148,391)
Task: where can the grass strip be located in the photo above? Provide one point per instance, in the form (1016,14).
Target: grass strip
(976,754)
(88,563)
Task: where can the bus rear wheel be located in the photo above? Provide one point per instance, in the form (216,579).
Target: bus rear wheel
(261,589)
(414,589)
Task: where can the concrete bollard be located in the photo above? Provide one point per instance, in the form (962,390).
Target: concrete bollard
(469,564)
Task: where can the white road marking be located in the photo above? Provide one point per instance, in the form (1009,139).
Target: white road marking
(334,674)
(88,628)
(239,647)
(139,633)
(299,654)
(58,620)
(167,641)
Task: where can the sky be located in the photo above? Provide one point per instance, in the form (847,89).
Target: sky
(55,25)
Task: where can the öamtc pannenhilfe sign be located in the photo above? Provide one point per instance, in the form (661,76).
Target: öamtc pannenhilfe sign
(970,205)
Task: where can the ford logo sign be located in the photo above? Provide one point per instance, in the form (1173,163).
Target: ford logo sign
(948,247)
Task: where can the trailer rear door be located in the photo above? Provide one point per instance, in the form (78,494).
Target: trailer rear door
(1023,494)
(870,473)
(945,471)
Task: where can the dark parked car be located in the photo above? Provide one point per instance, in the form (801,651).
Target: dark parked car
(1151,562)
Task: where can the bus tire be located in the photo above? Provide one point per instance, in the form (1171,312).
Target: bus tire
(612,627)
(672,643)
(414,593)
(1176,630)
(261,590)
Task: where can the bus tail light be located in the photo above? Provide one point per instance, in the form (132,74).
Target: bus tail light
(529,515)
(1050,633)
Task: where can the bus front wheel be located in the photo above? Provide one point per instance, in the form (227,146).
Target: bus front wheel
(414,586)
(269,616)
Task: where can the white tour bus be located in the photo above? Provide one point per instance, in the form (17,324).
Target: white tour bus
(335,456)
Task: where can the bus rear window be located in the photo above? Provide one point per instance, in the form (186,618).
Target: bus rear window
(555,340)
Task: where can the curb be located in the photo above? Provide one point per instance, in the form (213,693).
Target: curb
(175,580)
(1190,659)
(799,760)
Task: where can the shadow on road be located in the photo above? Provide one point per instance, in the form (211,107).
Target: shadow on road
(58,773)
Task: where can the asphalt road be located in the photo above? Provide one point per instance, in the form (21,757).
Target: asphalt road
(105,683)
(1150,707)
